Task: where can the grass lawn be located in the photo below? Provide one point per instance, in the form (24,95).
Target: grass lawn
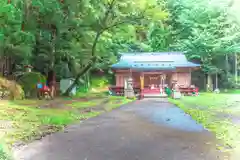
(25,120)
(219,113)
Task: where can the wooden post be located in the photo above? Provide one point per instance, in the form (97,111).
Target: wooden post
(141,84)
(190,73)
(131,76)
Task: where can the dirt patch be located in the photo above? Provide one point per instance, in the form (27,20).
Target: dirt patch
(118,102)
(5,126)
(96,108)
(57,104)
(64,103)
(233,104)
(92,109)
(46,130)
(11,110)
(227,116)
(105,101)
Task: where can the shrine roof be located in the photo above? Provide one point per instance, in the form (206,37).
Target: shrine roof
(154,61)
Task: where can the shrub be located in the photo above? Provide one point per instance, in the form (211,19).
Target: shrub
(228,81)
(14,90)
(29,81)
(99,82)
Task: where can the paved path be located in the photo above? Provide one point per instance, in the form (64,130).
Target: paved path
(143,130)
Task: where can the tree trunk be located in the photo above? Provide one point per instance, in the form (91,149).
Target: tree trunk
(205,82)
(209,83)
(98,34)
(88,66)
(88,80)
(236,68)
(86,84)
(80,74)
(226,64)
(216,81)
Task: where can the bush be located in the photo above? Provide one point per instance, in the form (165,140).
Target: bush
(14,90)
(228,82)
(99,82)
(29,81)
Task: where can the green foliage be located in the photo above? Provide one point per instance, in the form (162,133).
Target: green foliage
(58,120)
(206,36)
(233,91)
(159,37)
(228,81)
(46,32)
(29,81)
(99,82)
(210,110)
(89,34)
(3,153)
(14,41)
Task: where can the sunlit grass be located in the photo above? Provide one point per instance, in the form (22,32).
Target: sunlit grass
(4,155)
(31,121)
(91,95)
(29,102)
(234,91)
(115,104)
(210,100)
(207,109)
(84,104)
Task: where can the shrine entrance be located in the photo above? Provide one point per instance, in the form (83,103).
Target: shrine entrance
(154,80)
(154,83)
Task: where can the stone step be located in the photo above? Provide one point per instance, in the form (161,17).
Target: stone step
(154,95)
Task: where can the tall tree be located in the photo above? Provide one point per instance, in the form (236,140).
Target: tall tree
(112,14)
(14,41)
(206,36)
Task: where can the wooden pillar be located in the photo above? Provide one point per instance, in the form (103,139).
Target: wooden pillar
(141,85)
(131,76)
(190,73)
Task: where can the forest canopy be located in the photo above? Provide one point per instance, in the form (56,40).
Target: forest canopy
(76,36)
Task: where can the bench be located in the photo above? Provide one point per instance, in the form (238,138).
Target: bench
(188,90)
(116,91)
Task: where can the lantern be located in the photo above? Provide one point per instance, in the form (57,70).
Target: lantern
(28,68)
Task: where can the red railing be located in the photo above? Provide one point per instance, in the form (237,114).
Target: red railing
(189,90)
(117,90)
(120,90)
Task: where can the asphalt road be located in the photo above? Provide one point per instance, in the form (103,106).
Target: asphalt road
(143,130)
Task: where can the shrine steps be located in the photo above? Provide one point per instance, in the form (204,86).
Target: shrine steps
(154,95)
